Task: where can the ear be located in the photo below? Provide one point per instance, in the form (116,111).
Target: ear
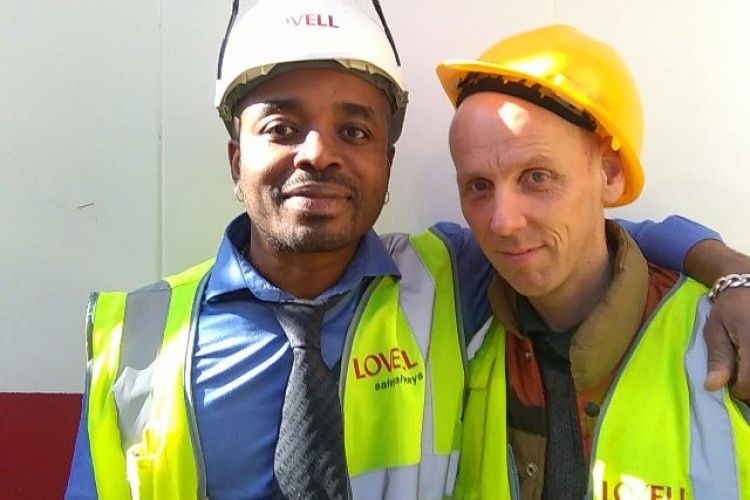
(391,155)
(233,151)
(613,175)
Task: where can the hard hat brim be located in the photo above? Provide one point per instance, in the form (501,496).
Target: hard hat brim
(452,72)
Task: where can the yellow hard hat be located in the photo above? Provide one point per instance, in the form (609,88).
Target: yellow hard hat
(583,76)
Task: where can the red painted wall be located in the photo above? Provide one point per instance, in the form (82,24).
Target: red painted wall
(37,434)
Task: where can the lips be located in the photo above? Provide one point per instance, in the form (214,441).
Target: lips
(317,190)
(317,199)
(517,252)
(519,255)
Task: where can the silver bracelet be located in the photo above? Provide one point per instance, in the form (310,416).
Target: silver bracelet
(728,281)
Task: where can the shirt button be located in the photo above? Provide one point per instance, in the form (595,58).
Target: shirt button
(532,469)
(592,409)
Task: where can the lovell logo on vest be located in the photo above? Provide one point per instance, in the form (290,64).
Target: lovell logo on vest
(391,365)
(625,491)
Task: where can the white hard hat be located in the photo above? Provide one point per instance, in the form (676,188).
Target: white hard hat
(272,36)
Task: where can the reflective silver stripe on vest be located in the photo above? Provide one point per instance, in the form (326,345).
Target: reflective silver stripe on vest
(478,339)
(417,300)
(93,298)
(713,467)
(416,289)
(450,479)
(146,312)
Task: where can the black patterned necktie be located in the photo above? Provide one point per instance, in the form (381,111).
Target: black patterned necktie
(309,461)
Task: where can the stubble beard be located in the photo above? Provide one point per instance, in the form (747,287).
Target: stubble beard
(305,237)
(311,234)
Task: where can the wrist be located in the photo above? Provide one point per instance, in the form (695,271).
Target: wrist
(728,281)
(709,260)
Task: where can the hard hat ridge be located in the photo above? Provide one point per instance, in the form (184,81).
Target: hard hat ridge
(273,36)
(530,92)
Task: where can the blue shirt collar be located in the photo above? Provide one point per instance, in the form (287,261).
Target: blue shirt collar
(232,274)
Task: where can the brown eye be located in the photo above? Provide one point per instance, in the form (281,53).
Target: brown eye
(279,130)
(479,186)
(354,133)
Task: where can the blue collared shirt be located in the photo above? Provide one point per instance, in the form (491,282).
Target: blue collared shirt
(242,358)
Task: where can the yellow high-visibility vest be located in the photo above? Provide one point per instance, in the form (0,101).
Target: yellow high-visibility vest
(402,383)
(659,433)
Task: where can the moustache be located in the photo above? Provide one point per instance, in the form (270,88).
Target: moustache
(328,176)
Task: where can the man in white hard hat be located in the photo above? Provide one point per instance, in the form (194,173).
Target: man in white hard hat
(194,382)
(589,383)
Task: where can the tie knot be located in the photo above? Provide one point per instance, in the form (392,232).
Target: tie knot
(301,322)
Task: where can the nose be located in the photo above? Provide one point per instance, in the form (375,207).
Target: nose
(316,151)
(508,216)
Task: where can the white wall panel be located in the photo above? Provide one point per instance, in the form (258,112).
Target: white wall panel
(199,200)
(78,175)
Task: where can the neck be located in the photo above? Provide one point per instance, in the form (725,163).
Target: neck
(304,275)
(567,306)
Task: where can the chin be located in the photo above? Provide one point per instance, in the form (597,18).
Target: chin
(318,240)
(528,287)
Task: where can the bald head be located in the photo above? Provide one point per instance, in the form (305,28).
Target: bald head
(492,120)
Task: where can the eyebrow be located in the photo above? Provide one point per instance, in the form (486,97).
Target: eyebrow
(272,106)
(277,106)
(358,110)
(538,159)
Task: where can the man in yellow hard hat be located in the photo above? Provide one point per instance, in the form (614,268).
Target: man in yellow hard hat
(196,384)
(589,382)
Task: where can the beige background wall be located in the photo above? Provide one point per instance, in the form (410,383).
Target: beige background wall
(113,166)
